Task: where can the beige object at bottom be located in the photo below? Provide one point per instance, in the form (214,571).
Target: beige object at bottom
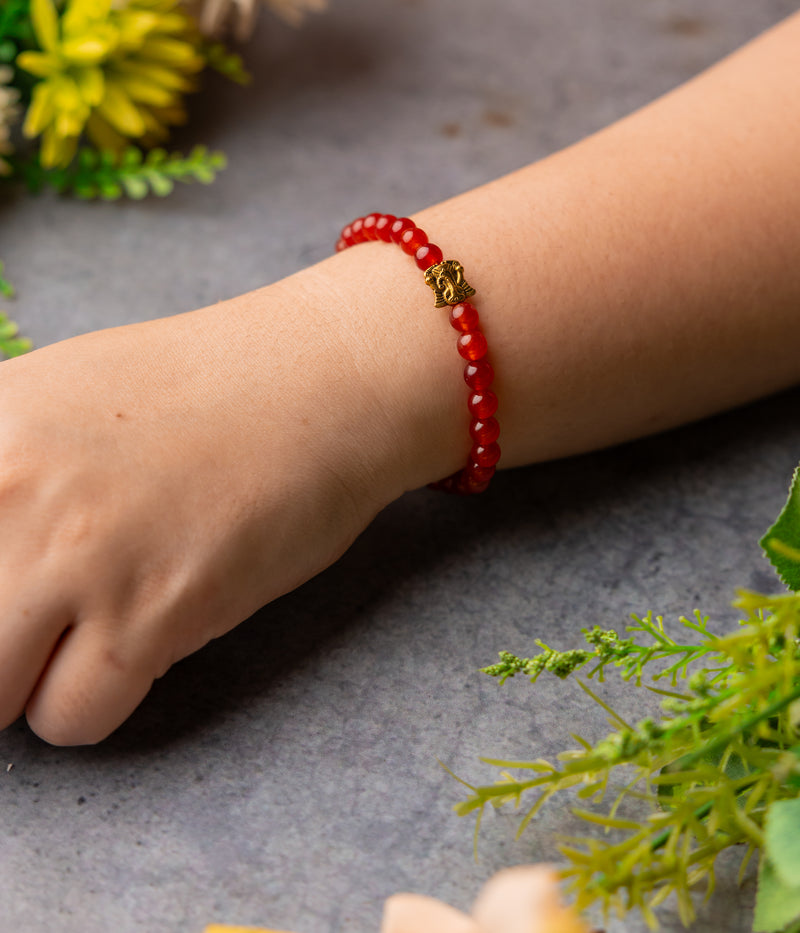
(524,899)
(224,928)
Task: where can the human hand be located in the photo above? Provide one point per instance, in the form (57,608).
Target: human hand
(161,482)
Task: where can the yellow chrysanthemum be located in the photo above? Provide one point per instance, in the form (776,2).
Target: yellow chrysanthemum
(117,69)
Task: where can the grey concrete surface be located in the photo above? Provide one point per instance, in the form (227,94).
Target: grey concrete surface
(287,775)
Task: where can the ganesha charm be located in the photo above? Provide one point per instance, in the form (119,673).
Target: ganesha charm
(448,283)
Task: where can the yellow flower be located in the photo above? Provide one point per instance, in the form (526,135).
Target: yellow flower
(116,69)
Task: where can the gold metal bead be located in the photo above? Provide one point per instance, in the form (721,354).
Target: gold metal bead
(448,283)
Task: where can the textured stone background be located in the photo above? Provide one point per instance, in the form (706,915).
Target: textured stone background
(287,774)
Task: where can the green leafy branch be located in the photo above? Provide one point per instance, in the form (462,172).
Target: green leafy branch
(720,767)
(721,754)
(15,28)
(227,63)
(16,35)
(134,173)
(11,344)
(607,648)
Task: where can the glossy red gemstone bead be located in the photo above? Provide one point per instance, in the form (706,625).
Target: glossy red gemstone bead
(479,375)
(428,255)
(370,221)
(481,474)
(399,227)
(484,430)
(448,484)
(383,227)
(464,317)
(472,345)
(357,230)
(476,486)
(482,404)
(467,483)
(485,456)
(411,240)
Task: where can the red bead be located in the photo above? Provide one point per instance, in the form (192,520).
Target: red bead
(370,222)
(484,430)
(428,255)
(462,484)
(479,375)
(485,456)
(467,483)
(478,487)
(472,345)
(357,228)
(399,227)
(464,317)
(411,240)
(383,227)
(480,474)
(445,485)
(482,404)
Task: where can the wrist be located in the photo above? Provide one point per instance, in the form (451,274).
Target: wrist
(354,347)
(401,354)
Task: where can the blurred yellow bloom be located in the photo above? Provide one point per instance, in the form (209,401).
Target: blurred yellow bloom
(117,69)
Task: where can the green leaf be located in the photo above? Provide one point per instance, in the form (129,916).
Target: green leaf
(6,288)
(781,543)
(227,63)
(777,904)
(670,794)
(135,174)
(782,840)
(10,343)
(160,184)
(135,186)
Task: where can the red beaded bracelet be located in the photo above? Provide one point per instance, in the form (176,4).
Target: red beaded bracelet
(446,278)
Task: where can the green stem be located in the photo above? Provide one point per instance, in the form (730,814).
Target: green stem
(723,740)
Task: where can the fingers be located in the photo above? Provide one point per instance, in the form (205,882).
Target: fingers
(29,633)
(87,689)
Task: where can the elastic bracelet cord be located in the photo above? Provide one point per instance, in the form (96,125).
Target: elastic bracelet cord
(446,278)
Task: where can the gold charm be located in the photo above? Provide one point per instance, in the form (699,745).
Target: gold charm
(448,283)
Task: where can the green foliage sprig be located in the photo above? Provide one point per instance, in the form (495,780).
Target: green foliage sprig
(11,344)
(719,767)
(134,173)
(227,63)
(16,32)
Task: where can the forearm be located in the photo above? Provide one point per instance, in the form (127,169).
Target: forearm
(209,462)
(647,276)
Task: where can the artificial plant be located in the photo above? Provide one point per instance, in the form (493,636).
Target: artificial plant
(720,767)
